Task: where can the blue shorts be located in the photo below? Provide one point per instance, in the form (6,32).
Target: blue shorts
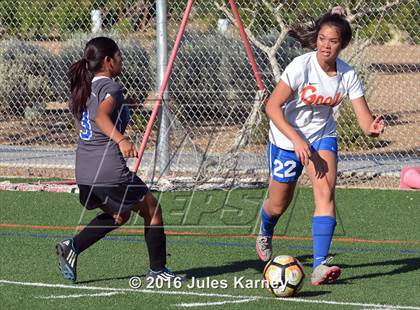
(284,165)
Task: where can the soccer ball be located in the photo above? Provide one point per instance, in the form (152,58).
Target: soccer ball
(284,276)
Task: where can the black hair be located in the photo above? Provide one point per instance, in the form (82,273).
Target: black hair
(308,34)
(82,71)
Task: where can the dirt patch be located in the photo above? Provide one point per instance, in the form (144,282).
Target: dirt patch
(28,172)
(388,54)
(396,97)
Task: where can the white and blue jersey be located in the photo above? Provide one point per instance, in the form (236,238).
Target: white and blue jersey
(310,111)
(315,94)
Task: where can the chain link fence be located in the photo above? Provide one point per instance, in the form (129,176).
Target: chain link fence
(217,132)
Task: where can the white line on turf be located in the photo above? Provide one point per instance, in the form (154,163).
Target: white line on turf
(185,293)
(79,295)
(116,289)
(217,303)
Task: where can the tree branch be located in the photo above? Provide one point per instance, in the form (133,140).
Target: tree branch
(275,12)
(250,35)
(358,51)
(362,12)
(270,51)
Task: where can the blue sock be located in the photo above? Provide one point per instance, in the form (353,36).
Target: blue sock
(322,233)
(267,224)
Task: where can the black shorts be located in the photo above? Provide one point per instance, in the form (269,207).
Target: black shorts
(118,198)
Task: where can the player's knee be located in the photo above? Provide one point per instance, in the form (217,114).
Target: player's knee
(156,210)
(277,212)
(147,211)
(276,208)
(152,207)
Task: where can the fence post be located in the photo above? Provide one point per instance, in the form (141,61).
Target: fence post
(162,59)
(96,17)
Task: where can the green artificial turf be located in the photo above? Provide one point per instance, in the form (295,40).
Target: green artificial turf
(376,243)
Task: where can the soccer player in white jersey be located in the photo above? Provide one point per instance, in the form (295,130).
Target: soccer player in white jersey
(303,133)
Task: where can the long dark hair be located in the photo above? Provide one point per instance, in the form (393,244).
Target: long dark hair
(307,34)
(82,72)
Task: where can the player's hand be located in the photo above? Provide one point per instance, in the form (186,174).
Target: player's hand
(302,150)
(377,126)
(127,149)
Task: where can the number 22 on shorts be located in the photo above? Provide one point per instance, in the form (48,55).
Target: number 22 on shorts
(288,167)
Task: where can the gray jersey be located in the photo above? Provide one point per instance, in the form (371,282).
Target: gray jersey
(98,158)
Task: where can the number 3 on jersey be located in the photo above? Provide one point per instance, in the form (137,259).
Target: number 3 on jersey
(86,131)
(288,167)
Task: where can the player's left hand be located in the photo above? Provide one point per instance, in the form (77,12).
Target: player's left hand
(127,149)
(377,126)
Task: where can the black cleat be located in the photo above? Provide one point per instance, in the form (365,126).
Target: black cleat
(163,275)
(67,259)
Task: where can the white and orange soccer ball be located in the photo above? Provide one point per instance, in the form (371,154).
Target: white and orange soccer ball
(284,276)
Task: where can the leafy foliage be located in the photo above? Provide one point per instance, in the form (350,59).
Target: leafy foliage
(23,77)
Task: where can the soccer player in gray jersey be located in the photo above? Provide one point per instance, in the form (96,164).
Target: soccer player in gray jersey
(102,175)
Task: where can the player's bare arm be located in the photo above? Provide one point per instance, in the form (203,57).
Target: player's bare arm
(104,122)
(274,111)
(369,125)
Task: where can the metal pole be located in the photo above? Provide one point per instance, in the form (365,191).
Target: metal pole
(162,60)
(247,44)
(165,81)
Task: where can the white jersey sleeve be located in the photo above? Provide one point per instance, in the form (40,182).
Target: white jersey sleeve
(355,88)
(293,74)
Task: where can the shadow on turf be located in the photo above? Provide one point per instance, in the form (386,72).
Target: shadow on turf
(202,272)
(233,267)
(405,265)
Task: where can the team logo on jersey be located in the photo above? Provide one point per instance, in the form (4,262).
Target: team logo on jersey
(309,97)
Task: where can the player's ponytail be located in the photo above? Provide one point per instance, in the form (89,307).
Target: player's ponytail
(80,86)
(307,33)
(82,72)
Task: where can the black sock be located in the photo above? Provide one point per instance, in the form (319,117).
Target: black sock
(156,246)
(94,231)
